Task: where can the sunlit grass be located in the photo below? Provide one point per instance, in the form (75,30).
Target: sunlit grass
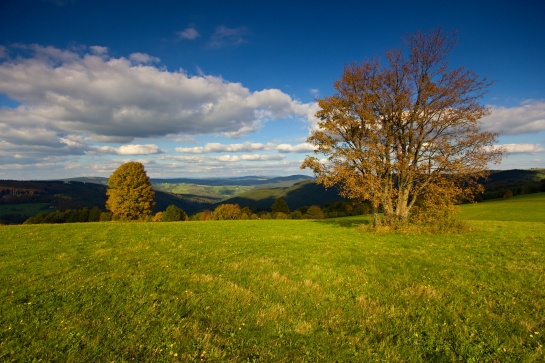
(524,208)
(269,291)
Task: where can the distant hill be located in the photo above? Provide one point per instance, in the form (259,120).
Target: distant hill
(243,181)
(17,196)
(518,181)
(305,193)
(514,176)
(22,199)
(208,191)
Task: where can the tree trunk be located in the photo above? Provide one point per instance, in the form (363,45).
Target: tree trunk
(402,209)
(376,216)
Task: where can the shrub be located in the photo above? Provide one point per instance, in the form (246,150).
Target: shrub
(227,212)
(105,217)
(296,214)
(264,215)
(174,214)
(158,217)
(281,215)
(314,212)
(94,214)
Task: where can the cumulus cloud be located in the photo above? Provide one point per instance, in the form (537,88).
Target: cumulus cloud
(521,148)
(299,148)
(184,159)
(247,157)
(528,117)
(189,33)
(247,147)
(99,50)
(218,148)
(143,58)
(84,92)
(133,149)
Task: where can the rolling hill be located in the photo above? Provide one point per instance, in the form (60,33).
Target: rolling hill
(20,200)
(299,195)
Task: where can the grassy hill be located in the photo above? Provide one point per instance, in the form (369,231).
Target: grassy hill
(522,208)
(269,291)
(301,194)
(20,200)
(517,181)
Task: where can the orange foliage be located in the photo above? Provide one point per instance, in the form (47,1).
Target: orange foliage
(394,133)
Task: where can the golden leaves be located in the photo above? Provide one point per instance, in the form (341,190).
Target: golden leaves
(404,132)
(130,193)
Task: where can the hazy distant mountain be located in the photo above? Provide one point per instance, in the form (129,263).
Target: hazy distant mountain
(243,180)
(302,194)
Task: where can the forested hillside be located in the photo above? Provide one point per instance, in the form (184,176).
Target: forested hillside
(20,200)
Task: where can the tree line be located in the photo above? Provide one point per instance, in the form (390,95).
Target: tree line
(279,210)
(130,197)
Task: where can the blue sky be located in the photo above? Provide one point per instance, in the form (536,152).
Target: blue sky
(228,88)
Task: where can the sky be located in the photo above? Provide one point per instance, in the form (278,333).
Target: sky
(229,88)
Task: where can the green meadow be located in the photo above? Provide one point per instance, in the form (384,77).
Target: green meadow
(276,291)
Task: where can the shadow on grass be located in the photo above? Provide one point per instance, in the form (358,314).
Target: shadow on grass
(344,222)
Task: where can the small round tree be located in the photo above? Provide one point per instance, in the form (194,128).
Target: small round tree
(314,212)
(174,214)
(280,206)
(227,212)
(130,194)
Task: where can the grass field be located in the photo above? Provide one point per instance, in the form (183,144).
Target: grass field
(524,208)
(276,291)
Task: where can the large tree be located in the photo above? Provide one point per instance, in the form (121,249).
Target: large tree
(405,133)
(130,194)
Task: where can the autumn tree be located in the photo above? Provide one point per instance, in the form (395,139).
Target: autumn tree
(227,212)
(130,194)
(406,131)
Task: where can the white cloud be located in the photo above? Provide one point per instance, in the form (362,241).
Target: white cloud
(218,148)
(98,50)
(189,33)
(521,148)
(133,149)
(299,148)
(247,157)
(85,93)
(184,159)
(247,147)
(528,117)
(143,58)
